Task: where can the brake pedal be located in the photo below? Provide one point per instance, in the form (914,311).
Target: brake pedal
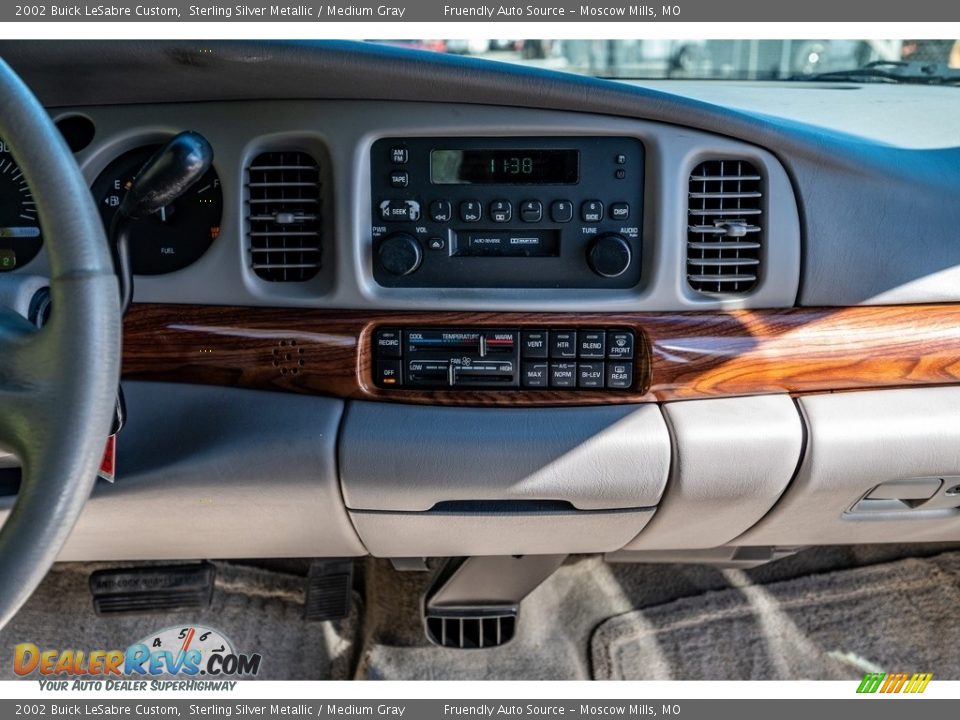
(160,588)
(329,590)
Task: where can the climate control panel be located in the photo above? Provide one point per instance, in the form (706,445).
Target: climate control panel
(505,358)
(507,212)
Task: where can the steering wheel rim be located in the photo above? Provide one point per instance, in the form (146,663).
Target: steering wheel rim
(58,384)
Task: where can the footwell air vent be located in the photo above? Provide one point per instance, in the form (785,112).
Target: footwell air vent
(152,589)
(283,216)
(329,590)
(471,629)
(724,227)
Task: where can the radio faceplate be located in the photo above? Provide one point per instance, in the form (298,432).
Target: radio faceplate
(507,212)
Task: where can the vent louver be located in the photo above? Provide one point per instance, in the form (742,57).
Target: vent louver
(724,227)
(283,216)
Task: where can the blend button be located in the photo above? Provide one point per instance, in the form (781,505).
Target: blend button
(592,343)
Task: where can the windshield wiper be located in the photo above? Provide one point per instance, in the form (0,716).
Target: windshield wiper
(914,73)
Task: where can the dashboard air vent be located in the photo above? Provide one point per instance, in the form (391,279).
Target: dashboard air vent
(283,216)
(724,227)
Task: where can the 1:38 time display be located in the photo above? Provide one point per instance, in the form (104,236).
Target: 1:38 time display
(505,167)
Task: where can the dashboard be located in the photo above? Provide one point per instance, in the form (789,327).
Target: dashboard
(636,307)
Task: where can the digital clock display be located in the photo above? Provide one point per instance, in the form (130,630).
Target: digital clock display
(504,167)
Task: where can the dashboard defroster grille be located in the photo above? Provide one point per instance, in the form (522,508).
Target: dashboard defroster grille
(724,227)
(283,216)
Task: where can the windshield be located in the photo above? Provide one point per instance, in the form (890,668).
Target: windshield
(700,59)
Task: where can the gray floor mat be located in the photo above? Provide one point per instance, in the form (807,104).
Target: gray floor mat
(259,610)
(897,616)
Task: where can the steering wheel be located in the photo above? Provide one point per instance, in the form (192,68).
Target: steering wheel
(57,385)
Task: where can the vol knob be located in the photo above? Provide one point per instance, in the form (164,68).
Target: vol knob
(400,253)
(609,255)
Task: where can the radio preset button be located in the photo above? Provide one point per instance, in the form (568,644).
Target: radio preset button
(591,211)
(620,345)
(535,375)
(620,211)
(534,344)
(471,211)
(531,211)
(592,344)
(590,375)
(563,375)
(563,344)
(440,211)
(501,211)
(561,211)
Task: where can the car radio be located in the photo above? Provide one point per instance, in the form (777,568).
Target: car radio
(507,212)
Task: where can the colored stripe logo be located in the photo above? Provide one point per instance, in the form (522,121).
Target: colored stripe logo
(894,683)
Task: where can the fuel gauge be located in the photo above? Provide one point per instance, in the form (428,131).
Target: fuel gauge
(20,234)
(175,236)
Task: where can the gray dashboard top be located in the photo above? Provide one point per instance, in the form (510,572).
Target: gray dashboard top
(876,169)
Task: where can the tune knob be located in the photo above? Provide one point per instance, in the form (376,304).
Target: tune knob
(400,253)
(609,255)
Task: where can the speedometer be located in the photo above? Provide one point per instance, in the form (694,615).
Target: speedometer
(175,236)
(20,234)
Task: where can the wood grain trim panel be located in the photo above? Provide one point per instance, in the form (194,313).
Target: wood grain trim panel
(681,355)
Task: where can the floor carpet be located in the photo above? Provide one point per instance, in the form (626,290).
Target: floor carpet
(891,617)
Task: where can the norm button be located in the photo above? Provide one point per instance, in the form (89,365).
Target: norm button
(592,343)
(620,345)
(563,344)
(563,375)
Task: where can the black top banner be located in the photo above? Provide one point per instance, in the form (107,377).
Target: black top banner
(560,11)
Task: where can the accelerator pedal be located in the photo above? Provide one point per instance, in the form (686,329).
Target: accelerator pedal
(150,589)
(329,590)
